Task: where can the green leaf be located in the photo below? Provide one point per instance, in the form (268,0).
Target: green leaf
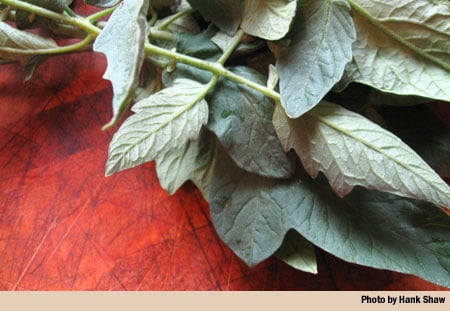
(252,47)
(102,3)
(351,150)
(122,41)
(161,123)
(403,47)
(241,118)
(194,161)
(268,19)
(320,47)
(225,14)
(252,215)
(11,37)
(150,81)
(379,230)
(32,64)
(199,45)
(418,127)
(186,23)
(298,253)
(223,40)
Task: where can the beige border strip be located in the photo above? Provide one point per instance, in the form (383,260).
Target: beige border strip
(229,301)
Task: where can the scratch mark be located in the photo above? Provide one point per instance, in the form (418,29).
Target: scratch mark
(82,209)
(34,255)
(172,254)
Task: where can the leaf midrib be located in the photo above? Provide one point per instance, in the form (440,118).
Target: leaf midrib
(198,99)
(371,146)
(356,7)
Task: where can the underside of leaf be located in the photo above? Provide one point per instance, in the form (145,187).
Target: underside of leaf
(402,47)
(161,123)
(252,215)
(226,14)
(10,37)
(297,252)
(351,150)
(320,46)
(241,118)
(268,19)
(194,161)
(122,41)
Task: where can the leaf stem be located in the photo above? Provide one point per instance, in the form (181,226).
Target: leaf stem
(60,18)
(69,11)
(93,31)
(215,68)
(173,18)
(57,50)
(157,34)
(236,40)
(96,16)
(154,15)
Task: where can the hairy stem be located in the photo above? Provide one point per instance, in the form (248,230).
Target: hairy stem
(93,31)
(213,67)
(60,18)
(162,35)
(233,45)
(173,18)
(57,50)
(96,16)
(154,15)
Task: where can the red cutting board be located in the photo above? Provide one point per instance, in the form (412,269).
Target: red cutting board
(64,226)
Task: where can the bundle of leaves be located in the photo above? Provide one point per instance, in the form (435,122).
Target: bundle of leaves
(304,123)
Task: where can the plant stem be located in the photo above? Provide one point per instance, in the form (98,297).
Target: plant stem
(96,16)
(60,18)
(173,18)
(216,68)
(57,50)
(233,45)
(154,15)
(213,67)
(161,35)
(69,11)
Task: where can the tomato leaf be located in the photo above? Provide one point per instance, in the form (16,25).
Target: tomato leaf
(297,252)
(11,37)
(225,14)
(199,45)
(351,150)
(402,47)
(194,161)
(379,230)
(320,47)
(252,214)
(161,123)
(122,41)
(241,118)
(268,19)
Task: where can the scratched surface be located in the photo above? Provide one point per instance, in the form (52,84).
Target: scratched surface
(64,226)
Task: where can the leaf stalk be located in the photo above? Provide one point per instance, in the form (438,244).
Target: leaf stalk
(93,31)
